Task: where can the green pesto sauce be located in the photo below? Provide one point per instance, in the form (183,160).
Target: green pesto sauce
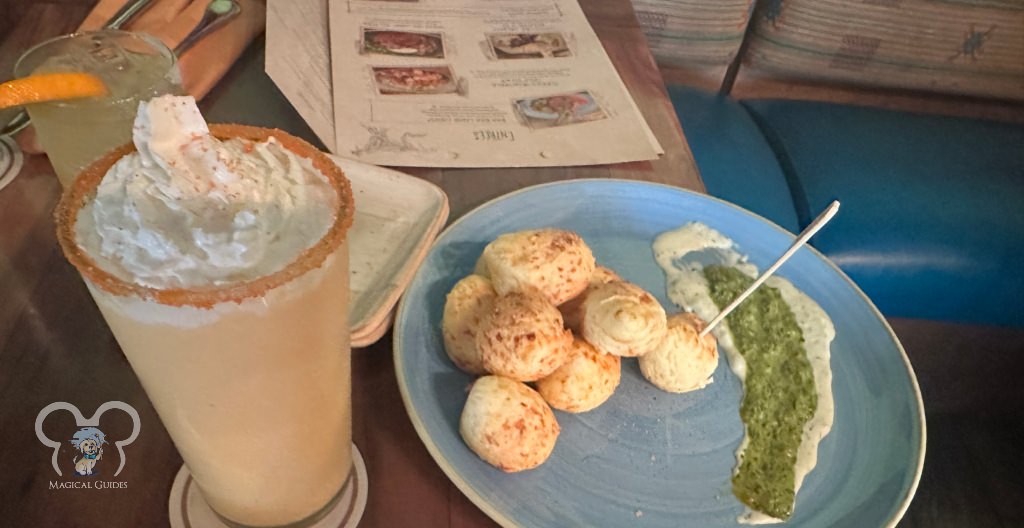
(779,396)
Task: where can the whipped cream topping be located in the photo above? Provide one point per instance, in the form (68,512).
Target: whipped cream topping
(191,210)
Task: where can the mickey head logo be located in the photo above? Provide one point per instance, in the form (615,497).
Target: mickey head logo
(92,422)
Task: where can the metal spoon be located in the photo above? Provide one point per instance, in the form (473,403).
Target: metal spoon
(127,13)
(120,18)
(218,13)
(817,224)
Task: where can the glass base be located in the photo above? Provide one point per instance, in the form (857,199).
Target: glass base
(187,508)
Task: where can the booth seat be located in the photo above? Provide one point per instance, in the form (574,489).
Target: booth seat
(932,218)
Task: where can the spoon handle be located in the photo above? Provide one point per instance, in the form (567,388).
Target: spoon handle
(126,13)
(217,13)
(807,233)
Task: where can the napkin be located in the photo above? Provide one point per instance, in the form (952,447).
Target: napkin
(203,64)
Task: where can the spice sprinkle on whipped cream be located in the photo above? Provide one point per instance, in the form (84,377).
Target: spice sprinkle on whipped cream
(188,209)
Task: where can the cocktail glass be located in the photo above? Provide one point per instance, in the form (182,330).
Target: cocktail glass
(135,67)
(252,380)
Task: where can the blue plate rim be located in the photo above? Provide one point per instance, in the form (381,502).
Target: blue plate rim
(479,500)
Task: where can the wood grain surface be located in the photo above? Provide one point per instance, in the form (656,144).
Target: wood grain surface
(55,346)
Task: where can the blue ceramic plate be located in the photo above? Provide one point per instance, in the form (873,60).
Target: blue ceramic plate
(647,458)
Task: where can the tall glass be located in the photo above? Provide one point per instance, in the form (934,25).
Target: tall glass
(252,380)
(135,67)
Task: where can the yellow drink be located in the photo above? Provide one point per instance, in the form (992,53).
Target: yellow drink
(134,67)
(251,379)
(255,394)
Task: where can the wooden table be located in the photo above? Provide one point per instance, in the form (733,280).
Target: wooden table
(55,346)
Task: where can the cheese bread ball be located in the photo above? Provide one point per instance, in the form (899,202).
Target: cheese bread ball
(555,262)
(684,361)
(571,309)
(466,307)
(603,275)
(507,424)
(523,338)
(480,268)
(584,382)
(621,318)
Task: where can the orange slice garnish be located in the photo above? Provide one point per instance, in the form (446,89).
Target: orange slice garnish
(50,87)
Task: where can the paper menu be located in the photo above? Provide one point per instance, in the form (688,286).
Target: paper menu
(478,83)
(485,83)
(298,28)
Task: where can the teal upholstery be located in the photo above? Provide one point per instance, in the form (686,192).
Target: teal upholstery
(735,161)
(932,223)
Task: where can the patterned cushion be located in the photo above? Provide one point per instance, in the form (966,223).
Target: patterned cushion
(698,34)
(971,47)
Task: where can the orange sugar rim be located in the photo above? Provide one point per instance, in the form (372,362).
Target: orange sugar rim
(85,185)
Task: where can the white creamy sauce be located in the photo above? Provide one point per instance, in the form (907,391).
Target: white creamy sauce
(688,289)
